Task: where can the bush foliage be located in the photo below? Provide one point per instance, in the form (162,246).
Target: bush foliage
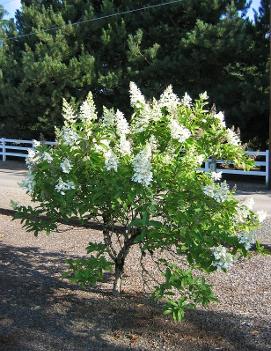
(142,181)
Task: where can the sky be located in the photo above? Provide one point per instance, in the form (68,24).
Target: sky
(12,5)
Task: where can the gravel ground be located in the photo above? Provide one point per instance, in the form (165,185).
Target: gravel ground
(39,311)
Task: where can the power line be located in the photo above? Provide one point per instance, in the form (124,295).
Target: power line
(95,19)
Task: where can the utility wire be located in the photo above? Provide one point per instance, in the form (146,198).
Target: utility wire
(94,19)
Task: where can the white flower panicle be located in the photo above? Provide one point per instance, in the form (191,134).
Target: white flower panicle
(111,161)
(45,156)
(221,118)
(88,109)
(216,176)
(124,146)
(109,117)
(35,156)
(36,143)
(141,123)
(122,130)
(242,214)
(178,132)
(168,99)
(122,124)
(153,143)
(148,114)
(66,166)
(142,166)
(186,100)
(136,97)
(218,192)
(31,157)
(68,112)
(261,215)
(69,136)
(28,183)
(223,259)
(232,137)
(200,159)
(61,187)
(204,96)
(247,240)
(243,210)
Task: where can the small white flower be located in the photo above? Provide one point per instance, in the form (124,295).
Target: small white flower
(247,240)
(66,166)
(186,100)
(136,97)
(261,215)
(125,146)
(204,96)
(216,176)
(167,159)
(28,183)
(45,156)
(31,155)
(178,132)
(221,118)
(111,161)
(242,214)
(232,137)
(218,192)
(102,145)
(142,167)
(153,143)
(61,187)
(70,137)
(200,159)
(209,190)
(36,143)
(223,259)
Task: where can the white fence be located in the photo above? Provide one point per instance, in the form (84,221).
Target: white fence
(261,166)
(19,148)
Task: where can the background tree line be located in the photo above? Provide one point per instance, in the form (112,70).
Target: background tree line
(193,45)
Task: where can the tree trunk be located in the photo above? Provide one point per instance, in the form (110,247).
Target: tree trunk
(119,268)
(118,257)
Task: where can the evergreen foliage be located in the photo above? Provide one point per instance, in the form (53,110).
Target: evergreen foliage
(195,45)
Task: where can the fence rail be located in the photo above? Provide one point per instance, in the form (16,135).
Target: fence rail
(20,147)
(10,147)
(261,167)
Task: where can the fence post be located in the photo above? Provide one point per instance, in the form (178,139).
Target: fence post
(4,150)
(212,165)
(267,167)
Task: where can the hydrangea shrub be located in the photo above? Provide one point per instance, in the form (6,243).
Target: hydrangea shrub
(142,181)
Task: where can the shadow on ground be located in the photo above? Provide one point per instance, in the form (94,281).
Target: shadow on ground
(41,312)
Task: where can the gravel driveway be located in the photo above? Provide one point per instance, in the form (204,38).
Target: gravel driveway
(39,311)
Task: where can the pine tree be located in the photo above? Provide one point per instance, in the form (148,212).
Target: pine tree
(193,45)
